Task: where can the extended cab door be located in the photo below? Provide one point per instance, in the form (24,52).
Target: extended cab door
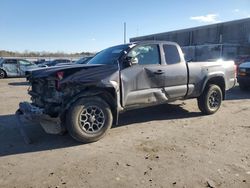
(175,73)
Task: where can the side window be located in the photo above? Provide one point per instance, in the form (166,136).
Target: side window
(172,55)
(145,54)
(10,62)
(24,62)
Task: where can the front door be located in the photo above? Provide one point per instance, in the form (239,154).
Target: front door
(10,67)
(142,82)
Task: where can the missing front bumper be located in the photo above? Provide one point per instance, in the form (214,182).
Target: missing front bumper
(36,115)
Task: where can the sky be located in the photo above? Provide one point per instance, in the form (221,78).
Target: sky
(92,25)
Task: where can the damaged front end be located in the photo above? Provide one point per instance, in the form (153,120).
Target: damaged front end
(45,106)
(53,91)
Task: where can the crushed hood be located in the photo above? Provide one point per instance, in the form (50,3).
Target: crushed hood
(51,71)
(84,74)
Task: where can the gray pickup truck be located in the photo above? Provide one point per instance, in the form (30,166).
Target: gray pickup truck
(87,99)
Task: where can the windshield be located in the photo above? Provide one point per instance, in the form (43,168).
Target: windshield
(109,56)
(83,60)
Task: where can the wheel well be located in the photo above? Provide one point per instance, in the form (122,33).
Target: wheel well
(107,94)
(219,81)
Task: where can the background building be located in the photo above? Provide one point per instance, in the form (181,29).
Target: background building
(228,40)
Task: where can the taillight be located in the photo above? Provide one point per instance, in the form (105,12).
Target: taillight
(59,76)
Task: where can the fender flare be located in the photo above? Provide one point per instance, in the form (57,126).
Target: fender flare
(212,78)
(102,93)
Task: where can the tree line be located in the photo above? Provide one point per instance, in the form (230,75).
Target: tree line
(4,53)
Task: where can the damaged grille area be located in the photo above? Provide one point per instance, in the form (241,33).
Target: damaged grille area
(44,94)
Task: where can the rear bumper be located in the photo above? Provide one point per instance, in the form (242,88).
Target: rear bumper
(35,114)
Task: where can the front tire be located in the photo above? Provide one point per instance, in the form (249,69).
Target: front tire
(89,119)
(210,100)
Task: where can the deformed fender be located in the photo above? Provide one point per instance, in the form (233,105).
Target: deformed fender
(103,93)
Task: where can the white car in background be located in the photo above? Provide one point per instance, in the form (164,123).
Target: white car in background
(14,67)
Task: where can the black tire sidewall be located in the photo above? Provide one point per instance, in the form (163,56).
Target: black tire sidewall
(210,90)
(4,74)
(72,119)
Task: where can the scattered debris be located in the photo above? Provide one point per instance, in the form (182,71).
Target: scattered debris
(211,184)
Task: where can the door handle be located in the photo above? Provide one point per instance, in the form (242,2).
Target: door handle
(159,72)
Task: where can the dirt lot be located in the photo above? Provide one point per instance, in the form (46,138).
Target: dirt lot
(166,146)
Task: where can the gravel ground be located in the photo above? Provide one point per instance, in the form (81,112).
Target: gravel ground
(171,145)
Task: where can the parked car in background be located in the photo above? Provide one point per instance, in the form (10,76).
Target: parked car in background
(83,60)
(40,61)
(244,75)
(13,67)
(56,61)
(241,59)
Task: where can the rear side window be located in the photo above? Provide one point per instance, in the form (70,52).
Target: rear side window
(25,63)
(172,55)
(10,61)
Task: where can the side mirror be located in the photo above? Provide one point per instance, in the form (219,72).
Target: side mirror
(131,60)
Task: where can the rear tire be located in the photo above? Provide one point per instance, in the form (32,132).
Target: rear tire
(89,119)
(210,100)
(2,74)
